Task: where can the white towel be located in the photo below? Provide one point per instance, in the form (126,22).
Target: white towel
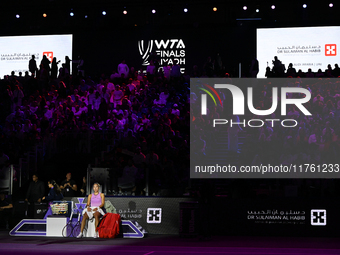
(90,214)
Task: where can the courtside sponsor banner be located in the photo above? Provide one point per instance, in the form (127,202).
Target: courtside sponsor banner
(304,47)
(16,51)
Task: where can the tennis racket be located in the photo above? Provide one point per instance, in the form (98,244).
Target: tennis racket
(67,230)
(76,228)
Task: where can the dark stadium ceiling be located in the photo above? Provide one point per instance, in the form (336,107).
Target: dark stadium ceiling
(168,13)
(31,4)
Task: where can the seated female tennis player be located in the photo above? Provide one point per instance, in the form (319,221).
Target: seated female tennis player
(95,203)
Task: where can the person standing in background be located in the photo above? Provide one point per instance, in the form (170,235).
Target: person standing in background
(209,67)
(45,64)
(150,70)
(166,71)
(54,69)
(5,210)
(123,69)
(18,95)
(68,63)
(68,186)
(254,68)
(176,70)
(54,193)
(117,96)
(35,191)
(218,65)
(83,187)
(80,67)
(32,65)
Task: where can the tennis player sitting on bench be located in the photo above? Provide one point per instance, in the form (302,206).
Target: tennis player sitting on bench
(95,203)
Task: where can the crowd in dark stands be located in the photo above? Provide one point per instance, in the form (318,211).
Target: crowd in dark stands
(279,70)
(147,114)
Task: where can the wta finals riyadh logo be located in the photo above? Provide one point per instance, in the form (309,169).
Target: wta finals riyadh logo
(145,51)
(169,52)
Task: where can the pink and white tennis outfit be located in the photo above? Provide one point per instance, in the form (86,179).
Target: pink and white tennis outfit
(96,201)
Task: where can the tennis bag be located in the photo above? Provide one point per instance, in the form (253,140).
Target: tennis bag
(109,226)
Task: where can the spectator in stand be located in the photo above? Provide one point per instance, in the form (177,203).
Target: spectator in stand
(318,98)
(336,71)
(110,86)
(291,71)
(54,68)
(117,96)
(68,63)
(131,85)
(80,66)
(164,96)
(139,157)
(152,158)
(114,75)
(309,74)
(209,67)
(96,101)
(105,95)
(175,110)
(45,63)
(176,70)
(128,179)
(167,71)
(123,69)
(83,86)
(63,72)
(150,70)
(32,66)
(254,68)
(278,67)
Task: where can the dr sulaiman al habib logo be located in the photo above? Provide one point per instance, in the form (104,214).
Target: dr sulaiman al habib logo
(330,49)
(167,50)
(154,215)
(318,217)
(238,105)
(49,55)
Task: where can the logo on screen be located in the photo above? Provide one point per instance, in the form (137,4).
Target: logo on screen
(145,50)
(49,55)
(318,217)
(167,52)
(154,215)
(330,49)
